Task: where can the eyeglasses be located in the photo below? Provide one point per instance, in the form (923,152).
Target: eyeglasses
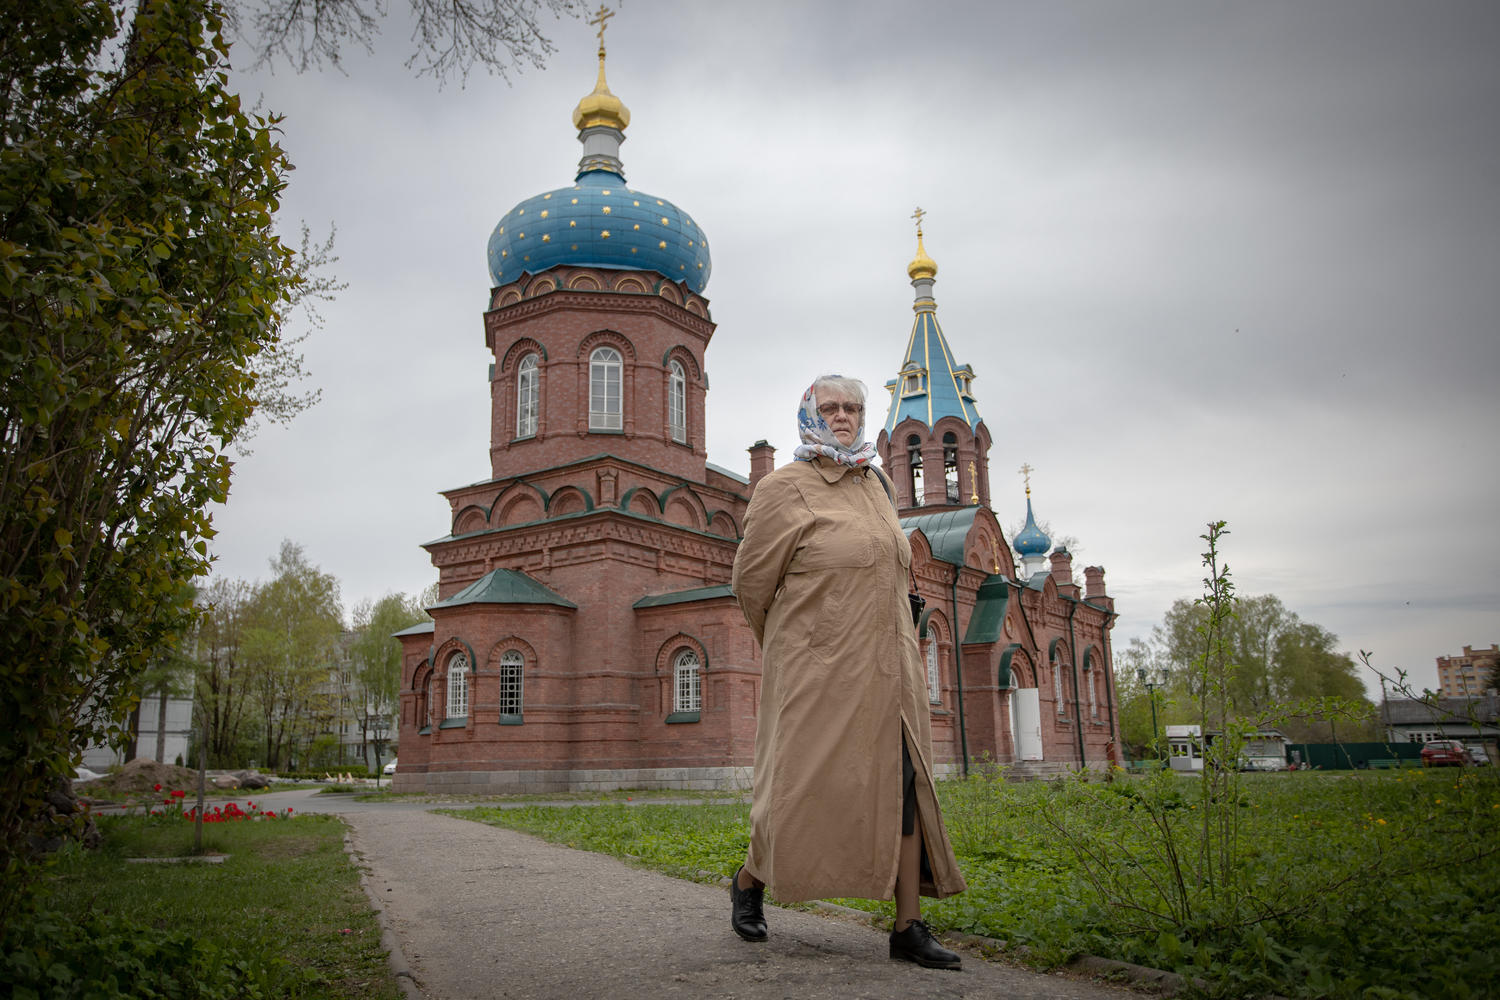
(832,409)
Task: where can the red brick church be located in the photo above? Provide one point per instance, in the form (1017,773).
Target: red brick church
(585,636)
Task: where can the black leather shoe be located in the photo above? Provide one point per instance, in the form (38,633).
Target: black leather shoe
(746,914)
(916,944)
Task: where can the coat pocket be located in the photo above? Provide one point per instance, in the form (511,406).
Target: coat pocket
(840,546)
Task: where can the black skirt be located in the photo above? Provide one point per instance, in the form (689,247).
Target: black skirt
(908,792)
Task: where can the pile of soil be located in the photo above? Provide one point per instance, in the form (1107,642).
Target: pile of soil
(139,778)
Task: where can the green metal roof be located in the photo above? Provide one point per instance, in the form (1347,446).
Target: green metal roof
(420,628)
(945,531)
(504,586)
(987,623)
(684,596)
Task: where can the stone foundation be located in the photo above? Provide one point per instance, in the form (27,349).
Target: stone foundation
(707,779)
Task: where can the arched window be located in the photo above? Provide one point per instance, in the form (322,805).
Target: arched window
(914,463)
(687,683)
(527,396)
(427,703)
(604,390)
(934,682)
(950,466)
(512,665)
(1093,676)
(458,686)
(677,402)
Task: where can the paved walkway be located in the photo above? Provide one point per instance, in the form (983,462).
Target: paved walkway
(477,911)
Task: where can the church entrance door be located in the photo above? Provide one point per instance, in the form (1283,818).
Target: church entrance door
(1026,723)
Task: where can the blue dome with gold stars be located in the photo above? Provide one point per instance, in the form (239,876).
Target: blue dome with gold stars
(599,221)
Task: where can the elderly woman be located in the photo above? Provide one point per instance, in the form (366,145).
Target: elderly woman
(844,803)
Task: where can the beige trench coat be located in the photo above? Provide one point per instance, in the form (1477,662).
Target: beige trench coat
(821,576)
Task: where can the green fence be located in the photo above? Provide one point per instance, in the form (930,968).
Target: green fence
(1346,756)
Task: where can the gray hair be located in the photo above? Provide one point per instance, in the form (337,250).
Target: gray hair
(851,388)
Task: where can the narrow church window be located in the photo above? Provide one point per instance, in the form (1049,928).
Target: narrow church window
(950,466)
(604,390)
(934,682)
(1093,676)
(427,703)
(526,397)
(677,402)
(914,463)
(458,686)
(1057,686)
(686,683)
(511,668)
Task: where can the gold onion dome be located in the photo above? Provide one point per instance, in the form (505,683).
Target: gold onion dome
(921,266)
(601,107)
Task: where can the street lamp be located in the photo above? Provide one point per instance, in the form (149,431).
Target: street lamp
(1150,693)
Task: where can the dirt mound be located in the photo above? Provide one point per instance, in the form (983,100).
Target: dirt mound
(140,777)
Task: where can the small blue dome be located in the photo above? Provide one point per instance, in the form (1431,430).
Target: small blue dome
(599,222)
(1032,541)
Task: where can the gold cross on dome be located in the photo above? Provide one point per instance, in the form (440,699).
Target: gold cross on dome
(1026,470)
(601,19)
(918,216)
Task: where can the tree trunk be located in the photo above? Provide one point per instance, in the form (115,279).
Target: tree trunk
(132,733)
(161,727)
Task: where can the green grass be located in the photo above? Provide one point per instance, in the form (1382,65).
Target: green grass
(282,916)
(1369,885)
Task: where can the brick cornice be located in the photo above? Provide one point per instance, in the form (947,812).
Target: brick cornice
(601,525)
(571,300)
(652,477)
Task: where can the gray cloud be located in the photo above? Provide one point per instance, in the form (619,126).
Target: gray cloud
(1208,261)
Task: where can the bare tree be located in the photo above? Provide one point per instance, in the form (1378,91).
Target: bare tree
(450,37)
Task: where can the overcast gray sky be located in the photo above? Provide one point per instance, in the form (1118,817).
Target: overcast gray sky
(1207,260)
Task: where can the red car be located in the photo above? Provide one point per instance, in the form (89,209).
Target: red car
(1445,753)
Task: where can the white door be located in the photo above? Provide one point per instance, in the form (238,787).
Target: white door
(1027,723)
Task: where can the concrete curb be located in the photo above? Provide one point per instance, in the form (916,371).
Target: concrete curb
(400,968)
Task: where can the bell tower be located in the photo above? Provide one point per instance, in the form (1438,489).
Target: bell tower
(597,319)
(934,445)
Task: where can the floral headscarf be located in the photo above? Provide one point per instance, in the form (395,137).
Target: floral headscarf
(818,439)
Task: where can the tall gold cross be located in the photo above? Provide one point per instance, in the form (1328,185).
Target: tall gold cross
(601,18)
(1026,471)
(918,216)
